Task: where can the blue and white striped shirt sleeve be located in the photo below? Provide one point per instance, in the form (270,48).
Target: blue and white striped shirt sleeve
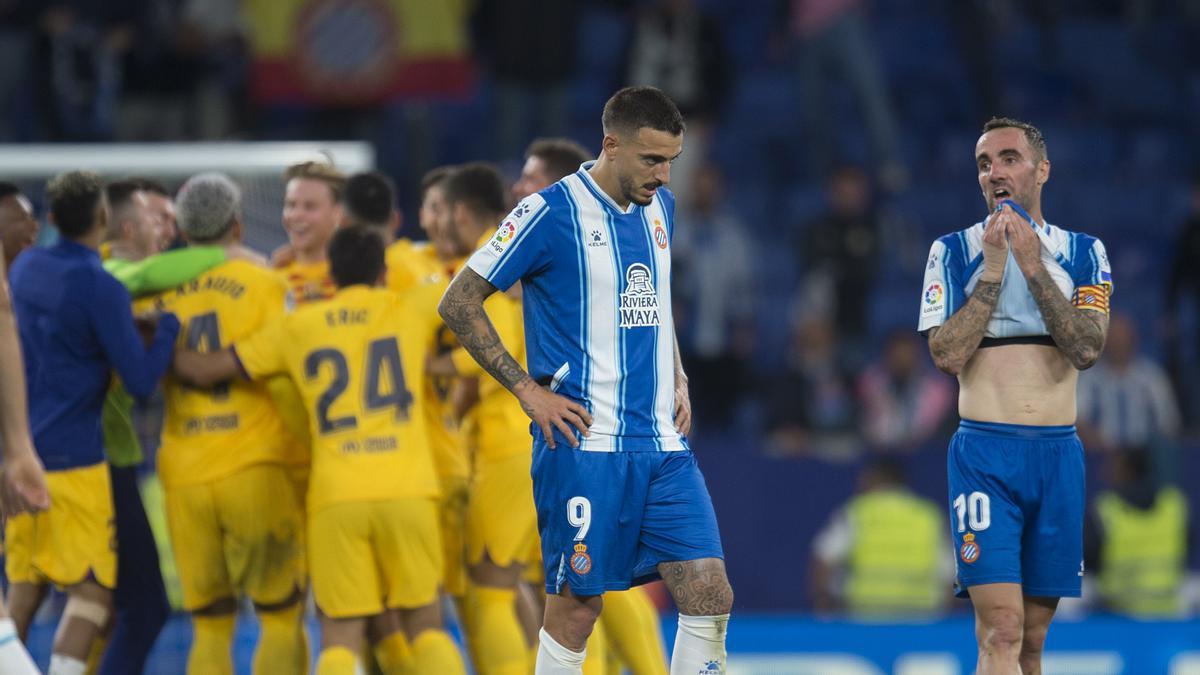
(518,248)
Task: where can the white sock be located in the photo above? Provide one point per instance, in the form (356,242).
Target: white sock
(555,659)
(65,665)
(13,657)
(700,645)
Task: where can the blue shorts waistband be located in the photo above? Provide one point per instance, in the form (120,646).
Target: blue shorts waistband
(1058,432)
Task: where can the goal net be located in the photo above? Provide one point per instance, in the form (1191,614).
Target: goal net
(256,167)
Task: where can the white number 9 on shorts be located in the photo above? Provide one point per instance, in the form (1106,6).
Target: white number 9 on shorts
(579,514)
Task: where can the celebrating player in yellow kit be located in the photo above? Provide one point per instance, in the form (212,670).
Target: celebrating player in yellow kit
(373,523)
(312,211)
(234,516)
(501,519)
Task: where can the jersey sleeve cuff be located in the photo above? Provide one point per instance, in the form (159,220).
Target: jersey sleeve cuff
(237,360)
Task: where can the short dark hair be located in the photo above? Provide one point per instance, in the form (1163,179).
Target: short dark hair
(434,176)
(1032,134)
(8,189)
(356,256)
(73,197)
(561,155)
(151,185)
(369,198)
(633,108)
(480,186)
(120,192)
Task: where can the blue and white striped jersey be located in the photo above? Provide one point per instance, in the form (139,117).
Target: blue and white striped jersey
(1077,263)
(596,282)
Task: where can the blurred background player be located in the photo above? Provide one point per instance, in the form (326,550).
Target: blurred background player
(1014,308)
(629,618)
(312,211)
(501,519)
(18,227)
(23,481)
(373,526)
(1137,539)
(225,454)
(76,327)
(882,555)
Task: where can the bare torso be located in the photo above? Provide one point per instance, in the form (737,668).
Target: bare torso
(1018,384)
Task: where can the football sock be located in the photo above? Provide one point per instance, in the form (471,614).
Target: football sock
(393,654)
(555,659)
(337,661)
(634,633)
(497,643)
(596,662)
(434,652)
(65,665)
(282,642)
(13,656)
(212,642)
(699,645)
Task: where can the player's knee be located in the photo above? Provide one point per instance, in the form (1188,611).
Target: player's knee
(1034,640)
(93,609)
(1000,630)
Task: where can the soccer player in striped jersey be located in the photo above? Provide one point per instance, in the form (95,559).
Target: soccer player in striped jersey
(619,495)
(1015,307)
(629,618)
(312,211)
(359,359)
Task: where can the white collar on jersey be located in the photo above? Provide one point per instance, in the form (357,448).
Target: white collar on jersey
(585,173)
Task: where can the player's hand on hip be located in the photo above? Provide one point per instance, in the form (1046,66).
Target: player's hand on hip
(683,408)
(550,411)
(995,246)
(1026,246)
(24,487)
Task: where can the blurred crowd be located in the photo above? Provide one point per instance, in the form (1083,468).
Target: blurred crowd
(797,267)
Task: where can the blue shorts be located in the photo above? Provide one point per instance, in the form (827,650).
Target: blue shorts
(1016,507)
(607,519)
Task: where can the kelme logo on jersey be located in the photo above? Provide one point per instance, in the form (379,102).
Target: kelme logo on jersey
(970,549)
(581,562)
(711,668)
(639,302)
(504,234)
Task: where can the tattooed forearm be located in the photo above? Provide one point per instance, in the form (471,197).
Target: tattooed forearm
(699,587)
(1079,334)
(953,343)
(462,310)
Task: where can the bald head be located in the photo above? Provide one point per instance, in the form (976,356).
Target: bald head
(208,206)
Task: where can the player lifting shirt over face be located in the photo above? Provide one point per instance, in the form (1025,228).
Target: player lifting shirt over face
(1015,307)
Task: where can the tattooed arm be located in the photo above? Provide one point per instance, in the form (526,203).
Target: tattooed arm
(1079,333)
(954,342)
(462,310)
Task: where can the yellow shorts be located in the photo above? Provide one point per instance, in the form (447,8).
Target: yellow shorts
(501,516)
(453,517)
(74,540)
(241,534)
(371,556)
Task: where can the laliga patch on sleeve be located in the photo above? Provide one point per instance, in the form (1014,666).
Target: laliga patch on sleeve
(507,232)
(504,234)
(933,300)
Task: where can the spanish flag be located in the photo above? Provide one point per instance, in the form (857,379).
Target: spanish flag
(351,52)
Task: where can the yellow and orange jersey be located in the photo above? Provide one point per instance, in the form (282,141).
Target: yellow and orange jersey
(308,282)
(412,263)
(209,434)
(358,361)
